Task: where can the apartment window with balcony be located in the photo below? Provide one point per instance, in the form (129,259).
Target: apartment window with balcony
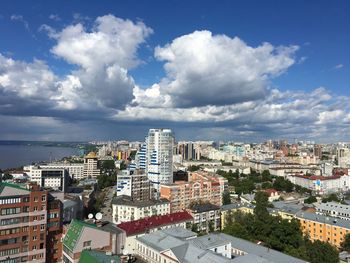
(10,211)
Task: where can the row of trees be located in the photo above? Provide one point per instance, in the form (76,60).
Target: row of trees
(278,233)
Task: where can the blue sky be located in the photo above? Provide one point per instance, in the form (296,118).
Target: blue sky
(314,64)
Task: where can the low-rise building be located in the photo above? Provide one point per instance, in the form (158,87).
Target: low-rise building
(228,210)
(134,229)
(323,228)
(334,209)
(55,178)
(206,217)
(124,209)
(272,194)
(75,170)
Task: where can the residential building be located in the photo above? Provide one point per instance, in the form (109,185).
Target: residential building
(334,209)
(272,194)
(138,228)
(80,236)
(159,157)
(125,209)
(46,177)
(323,228)
(134,184)
(206,217)
(201,186)
(91,169)
(30,224)
(227,210)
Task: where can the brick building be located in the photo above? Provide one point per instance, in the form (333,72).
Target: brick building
(30,225)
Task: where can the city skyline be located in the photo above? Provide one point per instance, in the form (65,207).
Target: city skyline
(224,71)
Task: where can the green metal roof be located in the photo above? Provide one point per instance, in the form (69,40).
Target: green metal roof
(93,256)
(17,186)
(74,231)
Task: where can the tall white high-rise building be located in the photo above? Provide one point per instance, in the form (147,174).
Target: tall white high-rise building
(159,157)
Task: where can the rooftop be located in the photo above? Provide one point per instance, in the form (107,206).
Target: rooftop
(74,231)
(324,219)
(93,256)
(200,208)
(333,206)
(9,189)
(127,201)
(142,225)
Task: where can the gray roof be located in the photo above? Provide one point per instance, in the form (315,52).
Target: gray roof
(333,206)
(183,250)
(112,228)
(180,232)
(200,208)
(324,219)
(126,200)
(250,258)
(261,251)
(209,241)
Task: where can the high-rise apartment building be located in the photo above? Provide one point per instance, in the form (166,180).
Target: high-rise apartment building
(91,169)
(159,157)
(47,177)
(30,225)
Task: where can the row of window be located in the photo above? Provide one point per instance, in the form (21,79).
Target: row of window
(8,252)
(10,211)
(10,201)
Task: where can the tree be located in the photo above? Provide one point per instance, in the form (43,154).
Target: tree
(346,243)
(319,251)
(266,176)
(310,200)
(226,199)
(266,185)
(262,202)
(331,198)
(193,168)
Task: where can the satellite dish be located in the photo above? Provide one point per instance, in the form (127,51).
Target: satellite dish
(98,216)
(90,216)
(125,252)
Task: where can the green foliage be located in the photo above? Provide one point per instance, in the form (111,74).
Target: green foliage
(132,155)
(266,185)
(346,243)
(6,176)
(104,181)
(266,176)
(226,199)
(331,198)
(262,202)
(310,200)
(107,165)
(318,251)
(193,168)
(280,234)
(281,184)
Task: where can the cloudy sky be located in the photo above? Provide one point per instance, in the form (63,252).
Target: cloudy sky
(232,70)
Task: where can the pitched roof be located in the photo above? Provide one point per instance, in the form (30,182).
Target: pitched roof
(142,225)
(75,229)
(8,189)
(93,256)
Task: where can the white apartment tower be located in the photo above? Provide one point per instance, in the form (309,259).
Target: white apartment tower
(159,157)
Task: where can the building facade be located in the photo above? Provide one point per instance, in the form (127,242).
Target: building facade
(159,157)
(30,225)
(134,184)
(201,186)
(124,209)
(91,169)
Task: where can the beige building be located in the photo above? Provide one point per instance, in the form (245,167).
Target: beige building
(91,169)
(201,186)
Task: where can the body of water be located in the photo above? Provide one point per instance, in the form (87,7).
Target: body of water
(17,155)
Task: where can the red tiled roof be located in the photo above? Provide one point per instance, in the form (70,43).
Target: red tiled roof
(270,191)
(142,225)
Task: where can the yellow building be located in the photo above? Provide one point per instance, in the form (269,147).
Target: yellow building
(323,228)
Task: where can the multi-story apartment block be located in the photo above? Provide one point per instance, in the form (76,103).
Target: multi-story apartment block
(323,228)
(206,217)
(134,184)
(201,186)
(159,157)
(48,177)
(91,169)
(30,225)
(124,209)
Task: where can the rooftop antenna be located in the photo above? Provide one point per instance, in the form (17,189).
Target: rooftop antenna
(98,216)
(90,216)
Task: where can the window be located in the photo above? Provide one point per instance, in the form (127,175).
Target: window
(42,227)
(87,243)
(36,199)
(43,198)
(34,238)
